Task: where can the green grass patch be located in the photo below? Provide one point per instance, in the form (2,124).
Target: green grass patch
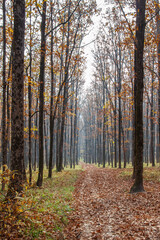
(44,211)
(126,173)
(152,174)
(149,173)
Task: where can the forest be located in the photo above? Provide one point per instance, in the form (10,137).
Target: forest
(79,157)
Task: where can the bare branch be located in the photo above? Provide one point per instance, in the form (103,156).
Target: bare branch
(63,23)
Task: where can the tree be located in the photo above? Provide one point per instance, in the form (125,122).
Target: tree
(4,140)
(17,122)
(138,96)
(41,95)
(158,56)
(52,94)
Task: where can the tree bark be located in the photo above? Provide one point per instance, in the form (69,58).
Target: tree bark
(30,101)
(158,56)
(41,97)
(104,129)
(152,157)
(75,126)
(65,97)
(17,122)
(4,139)
(138,97)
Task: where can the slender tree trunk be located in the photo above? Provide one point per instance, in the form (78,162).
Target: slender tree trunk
(30,100)
(35,136)
(104,129)
(119,122)
(124,149)
(65,149)
(4,139)
(46,142)
(51,101)
(75,126)
(41,97)
(119,103)
(8,116)
(65,98)
(147,134)
(115,132)
(158,56)
(152,159)
(57,140)
(71,134)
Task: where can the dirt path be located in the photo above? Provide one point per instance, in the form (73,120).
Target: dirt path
(105,209)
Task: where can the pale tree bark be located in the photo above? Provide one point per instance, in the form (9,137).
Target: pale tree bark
(75,126)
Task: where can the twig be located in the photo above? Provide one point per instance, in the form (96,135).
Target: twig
(63,23)
(38,8)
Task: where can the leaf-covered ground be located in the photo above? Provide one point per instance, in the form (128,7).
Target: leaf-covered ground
(106,210)
(41,213)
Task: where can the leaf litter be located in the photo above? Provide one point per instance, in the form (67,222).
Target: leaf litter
(104,208)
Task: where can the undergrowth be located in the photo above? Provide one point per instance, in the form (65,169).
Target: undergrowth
(41,213)
(149,174)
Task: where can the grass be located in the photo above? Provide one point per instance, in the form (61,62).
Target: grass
(128,165)
(149,173)
(44,211)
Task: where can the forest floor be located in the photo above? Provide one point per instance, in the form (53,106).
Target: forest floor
(104,208)
(41,213)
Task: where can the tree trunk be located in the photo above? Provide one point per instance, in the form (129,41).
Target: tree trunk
(65,97)
(138,100)
(30,101)
(75,126)
(51,101)
(4,139)
(104,129)
(152,159)
(41,97)
(71,131)
(35,136)
(158,56)
(46,142)
(17,122)
(119,103)
(115,131)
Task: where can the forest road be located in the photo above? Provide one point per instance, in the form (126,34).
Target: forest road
(104,209)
